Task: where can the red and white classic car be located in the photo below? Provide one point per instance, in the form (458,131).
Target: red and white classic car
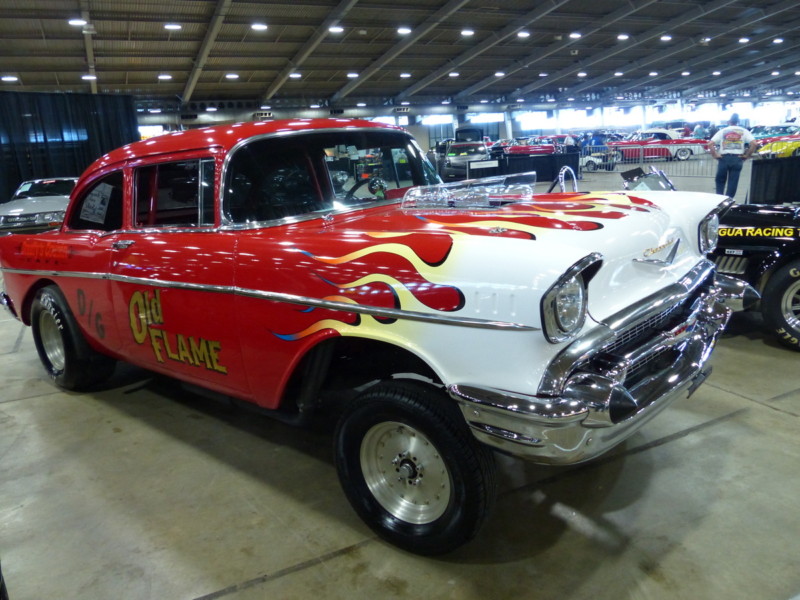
(289,264)
(656,143)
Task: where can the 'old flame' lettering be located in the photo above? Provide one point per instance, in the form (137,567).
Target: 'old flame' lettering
(145,314)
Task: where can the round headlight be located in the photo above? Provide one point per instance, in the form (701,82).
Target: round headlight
(570,305)
(709,233)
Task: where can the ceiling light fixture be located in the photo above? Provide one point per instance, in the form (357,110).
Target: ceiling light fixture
(653,73)
(715,73)
(542,74)
(777,41)
(77,22)
(314,106)
(775,73)
(686,73)
(165,76)
(744,40)
(361,104)
(265,107)
(454,74)
(405,75)
(258,26)
(619,74)
(352,75)
(405,103)
(523,34)
(9,78)
(211,109)
(89,77)
(336,29)
(231,76)
(666,37)
(499,74)
(172,26)
(484,101)
(467,32)
(623,37)
(575,35)
(295,75)
(581,73)
(403,30)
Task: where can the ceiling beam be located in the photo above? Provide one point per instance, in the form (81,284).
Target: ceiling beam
(299,58)
(623,12)
(494,39)
(654,32)
(88,48)
(205,48)
(419,32)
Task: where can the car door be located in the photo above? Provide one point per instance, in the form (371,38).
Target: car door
(85,250)
(172,273)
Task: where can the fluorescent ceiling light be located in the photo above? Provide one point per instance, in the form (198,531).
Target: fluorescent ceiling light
(295,75)
(336,29)
(258,26)
(231,76)
(666,37)
(165,76)
(352,75)
(403,30)
(523,34)
(575,35)
(172,26)
(77,22)
(467,32)
(623,36)
(89,77)
(499,74)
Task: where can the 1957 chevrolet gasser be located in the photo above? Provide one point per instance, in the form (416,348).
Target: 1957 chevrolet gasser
(288,262)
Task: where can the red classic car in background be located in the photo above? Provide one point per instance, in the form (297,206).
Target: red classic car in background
(529,147)
(656,143)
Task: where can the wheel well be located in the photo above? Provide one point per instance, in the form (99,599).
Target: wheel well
(25,310)
(338,368)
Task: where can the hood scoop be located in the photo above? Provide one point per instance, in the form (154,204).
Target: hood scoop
(487,193)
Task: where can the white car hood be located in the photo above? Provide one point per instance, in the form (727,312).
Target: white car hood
(27,206)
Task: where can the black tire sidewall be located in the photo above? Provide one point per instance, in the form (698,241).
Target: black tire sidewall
(465,505)
(77,353)
(771,302)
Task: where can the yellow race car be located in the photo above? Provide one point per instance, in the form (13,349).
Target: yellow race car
(781,148)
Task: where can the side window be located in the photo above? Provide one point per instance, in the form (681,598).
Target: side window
(263,185)
(176,194)
(100,207)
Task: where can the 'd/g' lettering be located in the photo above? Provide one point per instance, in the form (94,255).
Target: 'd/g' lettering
(146,316)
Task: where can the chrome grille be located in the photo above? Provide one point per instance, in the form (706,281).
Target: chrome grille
(645,329)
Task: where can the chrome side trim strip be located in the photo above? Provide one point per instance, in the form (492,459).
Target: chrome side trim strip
(390,313)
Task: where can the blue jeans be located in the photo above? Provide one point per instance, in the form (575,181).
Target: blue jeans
(729,167)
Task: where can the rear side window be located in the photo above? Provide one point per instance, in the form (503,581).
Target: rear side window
(100,206)
(175,194)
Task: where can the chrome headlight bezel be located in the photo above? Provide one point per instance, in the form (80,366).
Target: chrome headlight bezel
(708,230)
(564,306)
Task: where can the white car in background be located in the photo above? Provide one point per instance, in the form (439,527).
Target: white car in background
(37,205)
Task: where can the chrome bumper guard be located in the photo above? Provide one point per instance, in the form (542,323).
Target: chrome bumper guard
(619,376)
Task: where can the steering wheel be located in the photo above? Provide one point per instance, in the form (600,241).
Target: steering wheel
(374,185)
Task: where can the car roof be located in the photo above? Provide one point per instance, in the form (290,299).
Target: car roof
(224,137)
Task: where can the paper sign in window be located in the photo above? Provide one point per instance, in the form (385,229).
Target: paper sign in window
(95,206)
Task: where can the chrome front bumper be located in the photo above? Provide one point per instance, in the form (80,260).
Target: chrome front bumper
(603,387)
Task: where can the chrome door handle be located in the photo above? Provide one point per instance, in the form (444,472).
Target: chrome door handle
(122,244)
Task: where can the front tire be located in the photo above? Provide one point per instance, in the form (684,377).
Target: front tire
(590,166)
(65,354)
(683,154)
(411,469)
(780,304)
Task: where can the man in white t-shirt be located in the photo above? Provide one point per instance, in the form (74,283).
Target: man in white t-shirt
(731,145)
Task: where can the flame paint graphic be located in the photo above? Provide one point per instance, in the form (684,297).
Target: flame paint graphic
(404,269)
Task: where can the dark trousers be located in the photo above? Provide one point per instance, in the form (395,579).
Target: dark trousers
(729,167)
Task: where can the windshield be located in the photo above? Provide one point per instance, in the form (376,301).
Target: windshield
(466,150)
(44,187)
(295,176)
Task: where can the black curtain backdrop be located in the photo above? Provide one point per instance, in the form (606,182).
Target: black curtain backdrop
(59,135)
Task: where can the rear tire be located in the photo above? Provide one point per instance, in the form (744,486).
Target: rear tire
(411,469)
(590,166)
(780,304)
(65,354)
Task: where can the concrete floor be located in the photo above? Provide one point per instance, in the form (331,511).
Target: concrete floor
(146,491)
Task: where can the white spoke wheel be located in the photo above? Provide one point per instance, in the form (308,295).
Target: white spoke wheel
(683,153)
(411,468)
(65,354)
(780,304)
